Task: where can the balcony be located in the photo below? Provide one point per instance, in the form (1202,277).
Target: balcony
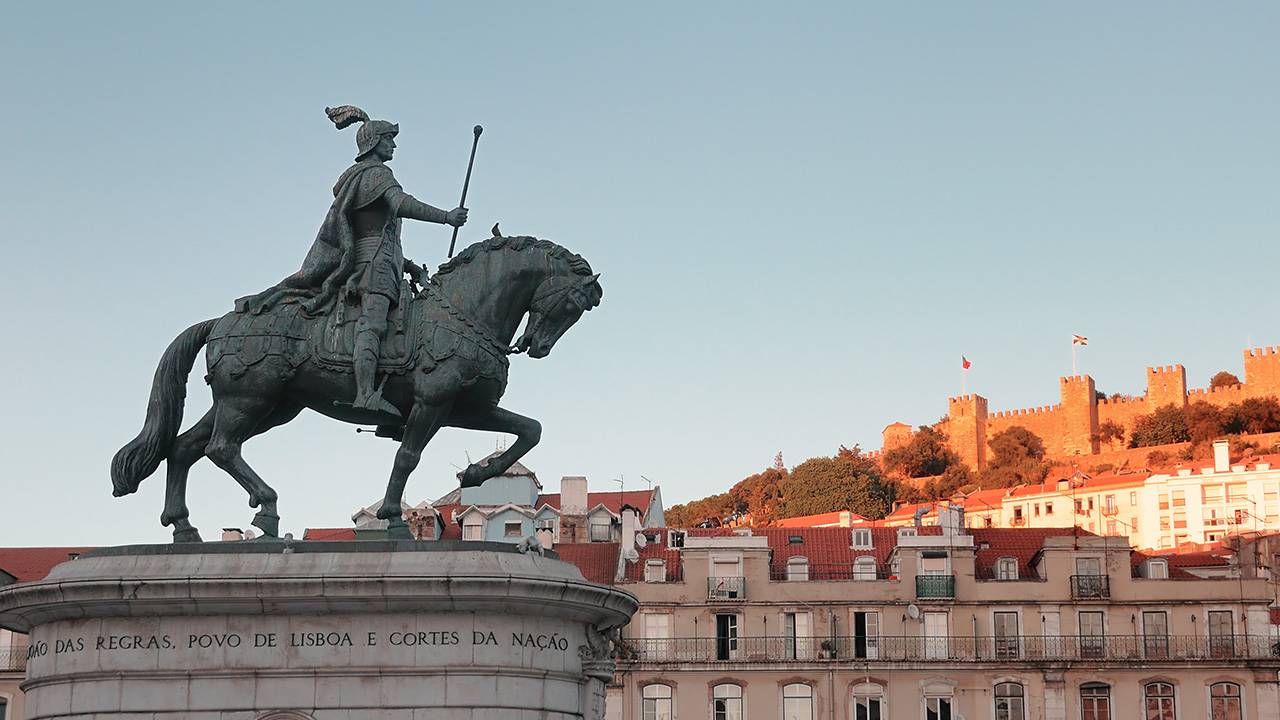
(13,659)
(1090,587)
(726,588)
(821,572)
(1000,650)
(935,587)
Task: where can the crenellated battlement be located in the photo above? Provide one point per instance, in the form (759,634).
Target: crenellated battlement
(1166,370)
(1072,379)
(1121,400)
(1262,351)
(1024,412)
(1226,395)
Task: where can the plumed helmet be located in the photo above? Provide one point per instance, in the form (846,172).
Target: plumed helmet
(370,132)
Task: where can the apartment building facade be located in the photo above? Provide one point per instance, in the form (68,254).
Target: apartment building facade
(1197,505)
(936,623)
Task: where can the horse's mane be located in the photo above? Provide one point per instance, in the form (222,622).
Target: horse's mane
(576,262)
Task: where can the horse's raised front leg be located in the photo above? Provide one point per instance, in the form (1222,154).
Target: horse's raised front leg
(187,449)
(423,423)
(495,419)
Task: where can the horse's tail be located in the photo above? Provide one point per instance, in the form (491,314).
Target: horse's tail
(136,461)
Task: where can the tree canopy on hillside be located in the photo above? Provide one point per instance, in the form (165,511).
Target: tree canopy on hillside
(1224,379)
(1164,426)
(925,455)
(1202,422)
(847,481)
(1017,458)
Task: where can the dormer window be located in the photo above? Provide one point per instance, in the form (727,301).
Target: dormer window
(1007,568)
(1158,569)
(862,538)
(675,538)
(512,530)
(906,532)
(655,571)
(473,530)
(601,530)
(864,568)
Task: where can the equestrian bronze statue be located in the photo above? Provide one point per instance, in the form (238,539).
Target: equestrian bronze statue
(325,334)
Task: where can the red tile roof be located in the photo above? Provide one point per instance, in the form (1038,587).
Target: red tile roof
(34,563)
(597,561)
(329,534)
(1021,543)
(613,501)
(802,521)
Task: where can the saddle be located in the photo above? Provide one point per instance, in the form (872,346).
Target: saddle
(287,331)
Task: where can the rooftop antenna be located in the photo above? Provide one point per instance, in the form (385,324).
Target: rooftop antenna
(621,480)
(647,481)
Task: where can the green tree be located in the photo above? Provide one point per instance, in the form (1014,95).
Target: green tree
(948,483)
(1017,458)
(925,455)
(1111,431)
(695,511)
(760,495)
(848,481)
(1260,415)
(1162,427)
(1204,421)
(1223,379)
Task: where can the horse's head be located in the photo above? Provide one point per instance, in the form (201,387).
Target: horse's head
(557,304)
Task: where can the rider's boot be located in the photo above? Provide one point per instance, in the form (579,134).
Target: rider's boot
(368,394)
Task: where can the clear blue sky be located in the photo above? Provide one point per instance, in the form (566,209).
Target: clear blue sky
(804,215)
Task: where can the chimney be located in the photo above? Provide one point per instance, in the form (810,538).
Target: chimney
(951,518)
(232,534)
(630,528)
(1221,456)
(573,495)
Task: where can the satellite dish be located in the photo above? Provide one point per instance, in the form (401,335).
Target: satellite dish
(913,611)
(641,540)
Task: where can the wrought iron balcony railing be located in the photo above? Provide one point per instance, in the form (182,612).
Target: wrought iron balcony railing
(828,572)
(914,649)
(726,588)
(935,586)
(1090,587)
(13,659)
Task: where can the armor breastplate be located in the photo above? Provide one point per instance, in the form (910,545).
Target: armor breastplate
(370,219)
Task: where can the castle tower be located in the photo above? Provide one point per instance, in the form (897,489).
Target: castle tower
(967,428)
(1166,386)
(896,435)
(1079,415)
(1262,371)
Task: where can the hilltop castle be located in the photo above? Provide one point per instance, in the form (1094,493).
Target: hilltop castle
(1071,428)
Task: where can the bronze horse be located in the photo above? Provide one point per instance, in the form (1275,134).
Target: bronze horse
(460,326)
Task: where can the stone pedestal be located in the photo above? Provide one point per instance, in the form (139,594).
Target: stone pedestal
(260,631)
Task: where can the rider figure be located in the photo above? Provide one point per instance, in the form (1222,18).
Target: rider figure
(379,259)
(357,254)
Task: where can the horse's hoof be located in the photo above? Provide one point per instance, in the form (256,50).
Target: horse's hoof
(187,535)
(398,530)
(268,523)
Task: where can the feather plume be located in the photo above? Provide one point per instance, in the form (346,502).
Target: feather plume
(346,115)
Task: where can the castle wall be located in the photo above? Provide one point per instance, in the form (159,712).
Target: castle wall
(1071,427)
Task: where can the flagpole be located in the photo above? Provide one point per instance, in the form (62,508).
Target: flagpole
(964,384)
(1073,358)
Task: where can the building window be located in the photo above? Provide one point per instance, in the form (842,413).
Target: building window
(906,532)
(600,531)
(1224,702)
(1010,703)
(1158,569)
(1109,503)
(548,524)
(1036,509)
(797,569)
(657,626)
(795,633)
(1157,701)
(513,530)
(937,708)
(866,635)
(1133,498)
(1222,639)
(1079,507)
(1048,508)
(726,702)
(473,531)
(655,571)
(862,538)
(797,702)
(726,637)
(864,568)
(1155,634)
(1005,625)
(868,702)
(1007,568)
(1092,640)
(1095,702)
(936,636)
(656,703)
(987,522)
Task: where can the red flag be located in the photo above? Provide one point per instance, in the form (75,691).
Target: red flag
(964,362)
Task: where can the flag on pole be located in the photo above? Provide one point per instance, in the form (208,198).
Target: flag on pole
(964,363)
(1079,340)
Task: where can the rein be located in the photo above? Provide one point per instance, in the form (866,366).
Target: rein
(478,330)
